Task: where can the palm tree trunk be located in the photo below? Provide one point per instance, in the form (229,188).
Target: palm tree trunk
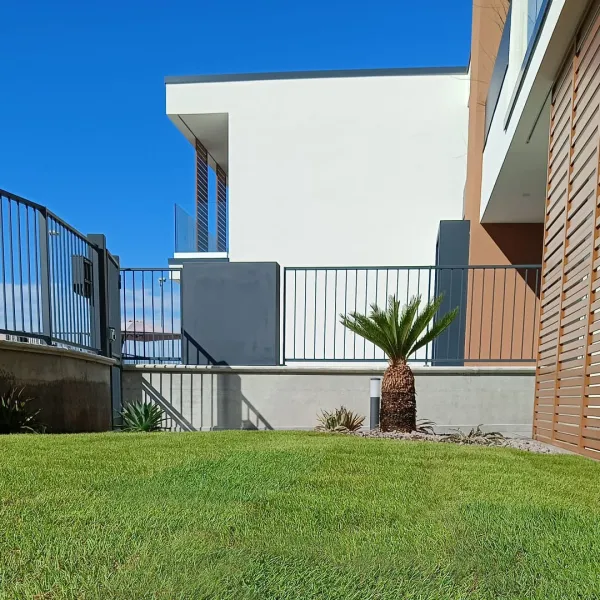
(398,401)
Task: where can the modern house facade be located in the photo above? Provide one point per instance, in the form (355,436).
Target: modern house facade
(312,161)
(321,193)
(532,190)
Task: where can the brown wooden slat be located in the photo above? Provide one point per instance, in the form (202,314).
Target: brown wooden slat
(570,410)
(591,443)
(576,333)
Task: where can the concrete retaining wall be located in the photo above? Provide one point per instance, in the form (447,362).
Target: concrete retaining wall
(72,389)
(207,398)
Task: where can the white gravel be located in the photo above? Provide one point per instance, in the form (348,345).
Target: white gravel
(525,444)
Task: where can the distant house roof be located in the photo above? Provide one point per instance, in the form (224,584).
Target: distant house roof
(146,331)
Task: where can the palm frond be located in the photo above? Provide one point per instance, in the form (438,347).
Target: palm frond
(396,331)
(371,330)
(436,329)
(409,312)
(423,319)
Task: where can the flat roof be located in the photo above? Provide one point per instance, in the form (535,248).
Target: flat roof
(395,72)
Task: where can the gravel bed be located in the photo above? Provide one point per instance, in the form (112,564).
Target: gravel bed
(525,444)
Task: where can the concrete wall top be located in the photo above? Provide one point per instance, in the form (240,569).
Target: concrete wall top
(54,350)
(334,171)
(374,370)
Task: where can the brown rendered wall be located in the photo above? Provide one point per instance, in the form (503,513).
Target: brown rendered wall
(72,389)
(487,336)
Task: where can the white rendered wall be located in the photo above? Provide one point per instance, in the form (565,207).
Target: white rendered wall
(199,398)
(338,171)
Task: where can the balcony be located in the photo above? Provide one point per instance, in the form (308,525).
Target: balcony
(535,39)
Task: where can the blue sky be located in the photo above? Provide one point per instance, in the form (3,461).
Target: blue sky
(83,128)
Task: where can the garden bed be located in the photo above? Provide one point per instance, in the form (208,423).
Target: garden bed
(525,444)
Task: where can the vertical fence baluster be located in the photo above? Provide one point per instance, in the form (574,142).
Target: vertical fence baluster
(366,310)
(460,314)
(504,272)
(481,316)
(36,241)
(325,327)
(304,320)
(172,308)
(512,322)
(162,311)
(134,323)
(345,308)
(525,286)
(355,310)
(5,311)
(428,346)
(20,251)
(315,316)
(533,320)
(295,308)
(450,307)
(335,315)
(492,313)
(12,266)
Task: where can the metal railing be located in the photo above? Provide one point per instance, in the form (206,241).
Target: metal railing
(151,315)
(48,277)
(496,323)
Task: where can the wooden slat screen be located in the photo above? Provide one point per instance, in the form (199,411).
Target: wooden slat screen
(201,198)
(567,397)
(221,210)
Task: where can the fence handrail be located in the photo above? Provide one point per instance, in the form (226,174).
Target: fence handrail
(70,228)
(409,267)
(22,200)
(154,269)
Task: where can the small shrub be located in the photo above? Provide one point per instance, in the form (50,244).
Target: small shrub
(341,420)
(16,416)
(475,436)
(142,416)
(425,426)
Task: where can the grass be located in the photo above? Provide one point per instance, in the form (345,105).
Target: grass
(253,515)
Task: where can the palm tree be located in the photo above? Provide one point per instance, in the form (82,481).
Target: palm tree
(399,333)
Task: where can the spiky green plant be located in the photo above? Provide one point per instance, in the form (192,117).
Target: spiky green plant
(475,436)
(426,426)
(142,416)
(399,333)
(341,420)
(16,414)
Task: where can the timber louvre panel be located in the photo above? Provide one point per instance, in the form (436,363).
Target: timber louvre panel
(221,210)
(201,198)
(567,403)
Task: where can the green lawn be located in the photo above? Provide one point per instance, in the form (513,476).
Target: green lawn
(292,515)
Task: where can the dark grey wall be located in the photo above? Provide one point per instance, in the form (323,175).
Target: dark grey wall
(230,313)
(452,251)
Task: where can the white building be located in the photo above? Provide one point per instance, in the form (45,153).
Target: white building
(327,168)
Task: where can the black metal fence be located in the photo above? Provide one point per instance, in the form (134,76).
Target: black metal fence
(151,315)
(496,322)
(48,275)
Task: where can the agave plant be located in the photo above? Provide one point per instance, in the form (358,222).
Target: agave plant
(426,426)
(399,333)
(16,414)
(341,420)
(475,436)
(142,416)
